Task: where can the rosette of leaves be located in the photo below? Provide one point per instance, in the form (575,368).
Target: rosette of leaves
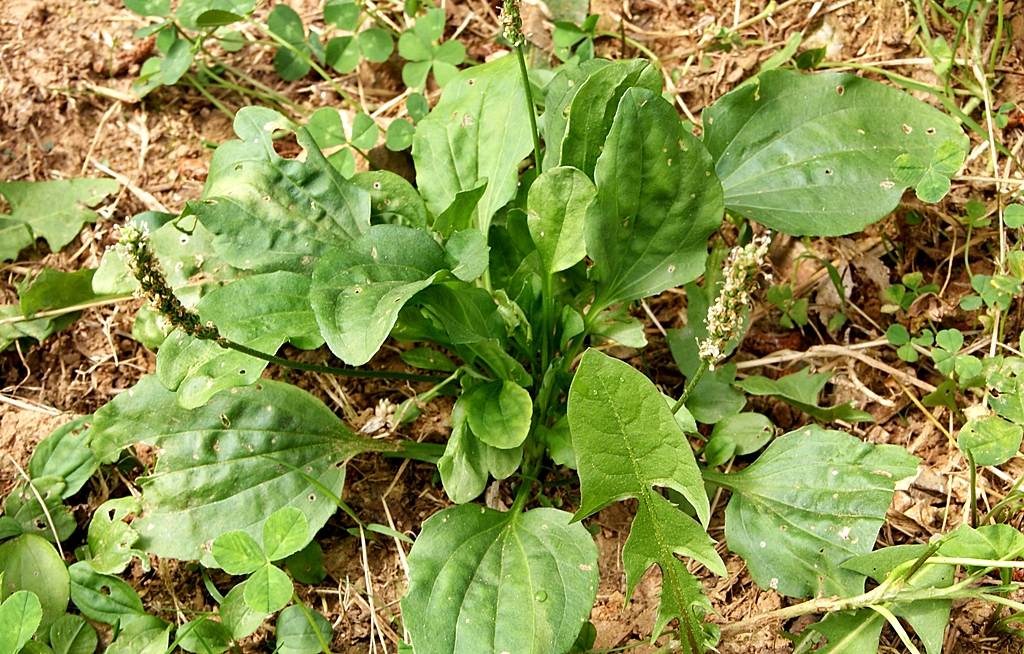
(422,48)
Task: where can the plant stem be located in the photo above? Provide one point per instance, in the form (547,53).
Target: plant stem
(309,60)
(209,96)
(312,367)
(705,364)
(530,106)
(974,486)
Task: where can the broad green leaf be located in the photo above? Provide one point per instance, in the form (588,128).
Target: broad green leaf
(30,563)
(991,440)
(284,533)
(111,540)
(268,589)
(811,154)
(558,95)
(468,461)
(627,442)
(204,636)
(271,213)
(38,329)
(36,647)
(359,288)
(64,454)
(499,413)
(850,632)
(53,289)
(295,634)
(147,634)
(999,542)
(657,202)
(479,129)
(595,105)
(343,13)
(261,312)
(621,327)
(465,254)
(220,18)
(800,390)
(736,435)
(20,615)
(188,11)
(236,615)
(533,583)
(103,598)
(54,210)
(307,565)
(812,500)
(9,527)
(427,359)
(557,203)
(237,553)
(393,200)
(459,214)
(23,506)
(72,634)
(220,467)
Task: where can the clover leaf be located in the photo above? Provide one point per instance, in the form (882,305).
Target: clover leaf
(422,48)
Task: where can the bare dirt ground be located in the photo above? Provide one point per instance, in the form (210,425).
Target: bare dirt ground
(65,67)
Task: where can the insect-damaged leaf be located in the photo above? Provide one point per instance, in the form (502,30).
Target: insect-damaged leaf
(658,201)
(812,154)
(812,500)
(533,582)
(229,464)
(271,213)
(627,442)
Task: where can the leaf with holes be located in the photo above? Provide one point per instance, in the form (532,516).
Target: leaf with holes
(657,203)
(111,540)
(229,464)
(478,130)
(271,213)
(812,154)
(627,442)
(261,312)
(811,501)
(103,598)
(534,584)
(64,454)
(43,520)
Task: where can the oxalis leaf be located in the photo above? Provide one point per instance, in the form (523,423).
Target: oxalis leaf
(812,500)
(812,154)
(359,289)
(222,467)
(485,581)
(627,442)
(478,130)
(271,213)
(658,201)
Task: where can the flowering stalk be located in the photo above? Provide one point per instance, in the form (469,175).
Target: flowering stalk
(134,250)
(726,315)
(512,30)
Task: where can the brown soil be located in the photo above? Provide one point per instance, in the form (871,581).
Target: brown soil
(65,66)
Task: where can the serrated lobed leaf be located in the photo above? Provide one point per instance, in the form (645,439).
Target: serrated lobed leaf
(811,154)
(485,581)
(812,500)
(657,202)
(218,465)
(478,130)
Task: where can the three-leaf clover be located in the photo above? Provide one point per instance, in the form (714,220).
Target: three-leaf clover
(997,291)
(794,312)
(422,48)
(343,52)
(948,360)
(286,24)
(327,130)
(900,337)
(930,180)
(567,34)
(901,296)
(268,589)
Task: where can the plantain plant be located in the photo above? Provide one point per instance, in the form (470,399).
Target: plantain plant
(507,275)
